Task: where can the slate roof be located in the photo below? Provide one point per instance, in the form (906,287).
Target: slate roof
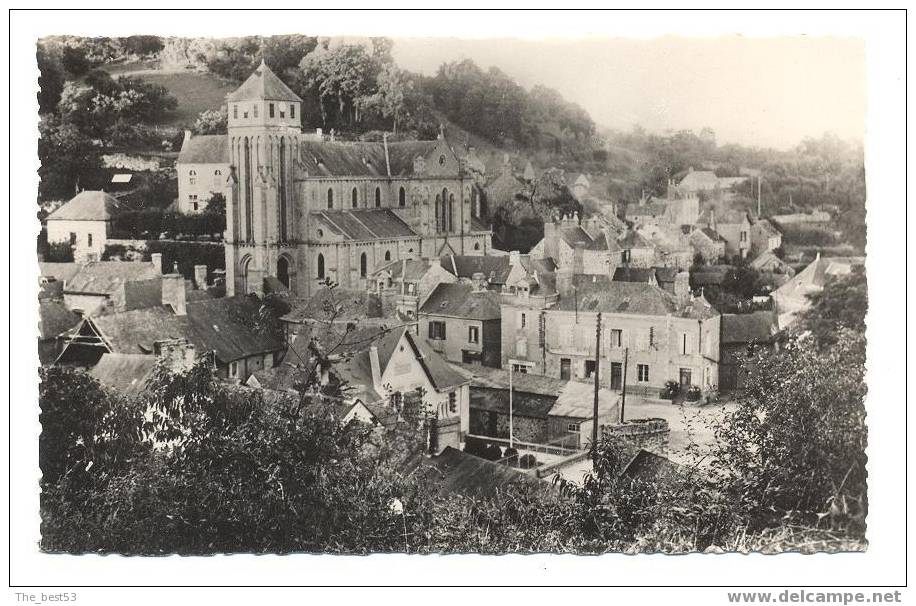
(59,271)
(105,277)
(648,209)
(364,224)
(205,149)
(635,274)
(599,293)
(767,227)
(711,234)
(574,235)
(454,471)
(441,375)
(759,326)
(50,289)
(498,378)
(87,206)
(699,179)
(644,465)
(363,159)
(136,331)
(407,269)
(632,239)
(461,301)
(325,303)
(263,83)
(54,319)
(578,400)
(494,268)
(143,293)
(665,275)
(125,373)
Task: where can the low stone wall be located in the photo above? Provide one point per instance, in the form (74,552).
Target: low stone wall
(651,434)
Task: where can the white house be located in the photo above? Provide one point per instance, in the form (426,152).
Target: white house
(203,170)
(84,222)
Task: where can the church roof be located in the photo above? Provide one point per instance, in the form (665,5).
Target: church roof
(205,149)
(87,206)
(364,224)
(363,159)
(263,84)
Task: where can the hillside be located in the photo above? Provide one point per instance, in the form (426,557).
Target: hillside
(195,92)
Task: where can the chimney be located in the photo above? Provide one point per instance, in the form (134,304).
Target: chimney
(579,258)
(376,367)
(514,257)
(565,282)
(173,293)
(682,286)
(550,240)
(179,355)
(200,277)
(156,258)
(479,282)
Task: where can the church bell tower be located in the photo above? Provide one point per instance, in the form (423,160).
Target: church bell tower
(264,137)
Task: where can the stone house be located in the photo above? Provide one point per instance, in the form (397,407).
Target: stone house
(84,222)
(739,333)
(461,321)
(499,270)
(203,170)
(708,244)
(404,285)
(734,226)
(660,336)
(764,237)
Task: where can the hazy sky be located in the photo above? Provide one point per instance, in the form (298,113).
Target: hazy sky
(763,92)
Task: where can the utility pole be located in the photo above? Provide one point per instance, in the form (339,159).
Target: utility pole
(511,365)
(595,408)
(758,195)
(623,397)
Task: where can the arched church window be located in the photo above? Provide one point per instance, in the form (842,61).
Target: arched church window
(362,265)
(402,197)
(320,266)
(388,255)
(283,271)
(451,212)
(378,197)
(438,212)
(476,245)
(355,197)
(330,198)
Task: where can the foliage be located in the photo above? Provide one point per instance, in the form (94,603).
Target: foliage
(212,122)
(151,222)
(183,256)
(58,252)
(158,190)
(69,160)
(50,79)
(842,305)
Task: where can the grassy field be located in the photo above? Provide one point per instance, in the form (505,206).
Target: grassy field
(195,92)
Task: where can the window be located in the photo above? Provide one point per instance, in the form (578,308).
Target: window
(476,245)
(651,336)
(195,207)
(452,402)
(320,266)
(388,255)
(625,256)
(270,110)
(573,427)
(282,114)
(330,198)
(245,115)
(473,334)
(520,368)
(378,197)
(410,288)
(362,265)
(642,373)
(292,110)
(89,239)
(616,337)
(72,238)
(233,369)
(254,110)
(192,177)
(442,160)
(685,344)
(589,369)
(235,112)
(354,197)
(744,236)
(437,330)
(522,320)
(402,197)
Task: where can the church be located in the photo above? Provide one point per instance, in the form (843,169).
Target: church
(302,210)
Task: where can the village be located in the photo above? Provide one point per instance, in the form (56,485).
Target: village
(378,259)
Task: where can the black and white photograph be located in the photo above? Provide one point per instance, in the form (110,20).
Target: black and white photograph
(310,290)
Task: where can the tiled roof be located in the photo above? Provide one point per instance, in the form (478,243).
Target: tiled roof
(363,159)
(759,326)
(105,277)
(59,271)
(136,331)
(263,84)
(225,327)
(87,206)
(632,239)
(441,375)
(498,378)
(408,269)
(495,268)
(711,234)
(364,224)
(205,149)
(635,274)
(454,471)
(461,301)
(598,293)
(578,400)
(125,373)
(54,319)
(699,179)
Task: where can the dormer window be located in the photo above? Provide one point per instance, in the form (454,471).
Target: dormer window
(270,110)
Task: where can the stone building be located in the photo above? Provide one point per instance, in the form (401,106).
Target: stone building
(84,222)
(764,237)
(461,321)
(735,228)
(658,335)
(203,170)
(403,286)
(304,211)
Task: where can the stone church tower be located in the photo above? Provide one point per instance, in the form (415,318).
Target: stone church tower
(264,139)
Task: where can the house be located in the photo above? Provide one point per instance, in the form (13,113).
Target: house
(733,225)
(739,333)
(648,209)
(403,286)
(223,328)
(84,223)
(382,368)
(571,418)
(499,270)
(203,170)
(764,237)
(644,275)
(768,262)
(462,322)
(661,336)
(670,242)
(304,210)
(792,298)
(569,245)
(708,244)
(456,472)
(55,320)
(696,181)
(632,249)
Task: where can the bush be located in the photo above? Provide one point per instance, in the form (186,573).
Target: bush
(693,393)
(475,446)
(183,256)
(59,252)
(512,455)
(528,461)
(493,453)
(670,390)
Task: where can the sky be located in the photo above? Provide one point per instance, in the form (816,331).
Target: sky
(765,92)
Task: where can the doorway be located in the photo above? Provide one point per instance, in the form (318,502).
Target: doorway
(616,375)
(685,378)
(565,369)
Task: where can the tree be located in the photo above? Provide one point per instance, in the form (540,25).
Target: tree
(69,160)
(842,305)
(212,122)
(50,80)
(340,77)
(393,86)
(74,60)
